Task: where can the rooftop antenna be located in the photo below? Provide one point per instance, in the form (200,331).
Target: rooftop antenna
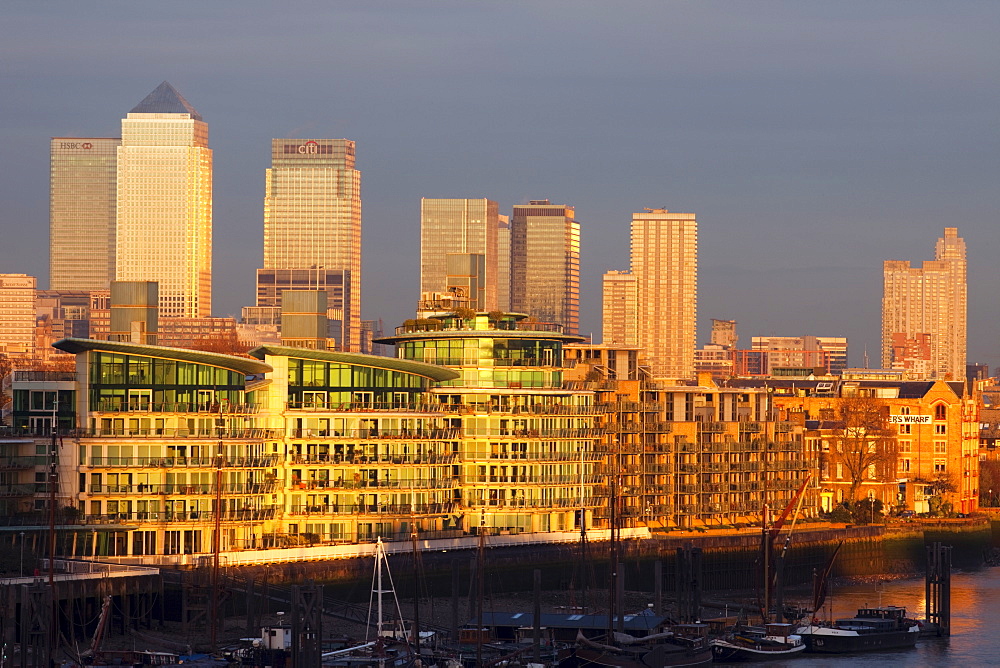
(866,356)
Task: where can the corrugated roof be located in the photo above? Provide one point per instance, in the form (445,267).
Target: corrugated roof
(239,364)
(432,371)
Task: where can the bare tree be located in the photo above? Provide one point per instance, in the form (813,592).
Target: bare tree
(864,442)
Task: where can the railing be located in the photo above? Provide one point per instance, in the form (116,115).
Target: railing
(261,461)
(35,376)
(712,427)
(420,483)
(22,462)
(210,432)
(223,408)
(183,490)
(18,490)
(532,480)
(403,434)
(448,458)
(247,515)
(372,509)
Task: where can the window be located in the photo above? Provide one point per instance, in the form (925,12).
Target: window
(871,471)
(940,466)
(940,429)
(904,410)
(840,470)
(905,429)
(905,446)
(940,447)
(940,412)
(904,465)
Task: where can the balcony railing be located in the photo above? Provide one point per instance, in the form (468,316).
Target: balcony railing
(182,490)
(433,483)
(223,408)
(158,516)
(211,432)
(372,509)
(401,434)
(408,459)
(253,462)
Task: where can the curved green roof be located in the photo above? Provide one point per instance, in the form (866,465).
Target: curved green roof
(239,364)
(432,371)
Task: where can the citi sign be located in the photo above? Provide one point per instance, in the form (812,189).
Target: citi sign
(309,147)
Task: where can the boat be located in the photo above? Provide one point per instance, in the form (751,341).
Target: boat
(752,643)
(871,629)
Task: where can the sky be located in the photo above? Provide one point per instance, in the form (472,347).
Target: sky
(813,139)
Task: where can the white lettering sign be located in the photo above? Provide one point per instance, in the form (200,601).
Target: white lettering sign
(909,419)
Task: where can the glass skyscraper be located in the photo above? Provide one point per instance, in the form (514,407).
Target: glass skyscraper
(665,267)
(164,203)
(312,221)
(466,226)
(545,263)
(82,187)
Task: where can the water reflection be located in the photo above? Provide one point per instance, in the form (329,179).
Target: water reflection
(974,641)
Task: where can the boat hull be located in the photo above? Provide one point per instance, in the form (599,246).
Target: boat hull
(848,642)
(723,650)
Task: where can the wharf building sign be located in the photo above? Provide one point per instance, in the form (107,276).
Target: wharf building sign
(910,419)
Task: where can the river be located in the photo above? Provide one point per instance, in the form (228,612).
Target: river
(975,634)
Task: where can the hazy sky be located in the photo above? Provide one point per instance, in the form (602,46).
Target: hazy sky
(813,139)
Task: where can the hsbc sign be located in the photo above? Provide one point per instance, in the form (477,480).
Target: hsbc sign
(85,145)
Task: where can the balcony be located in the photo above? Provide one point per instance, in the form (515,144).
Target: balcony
(212,433)
(164,516)
(419,483)
(408,459)
(262,461)
(183,490)
(175,407)
(712,427)
(371,509)
(398,434)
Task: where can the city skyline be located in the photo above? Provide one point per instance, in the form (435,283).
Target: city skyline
(806,172)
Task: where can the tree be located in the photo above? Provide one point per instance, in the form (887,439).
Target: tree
(864,442)
(989,481)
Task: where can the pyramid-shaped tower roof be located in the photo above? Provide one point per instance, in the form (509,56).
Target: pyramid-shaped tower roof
(165,100)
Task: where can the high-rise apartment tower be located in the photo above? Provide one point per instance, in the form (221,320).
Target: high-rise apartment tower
(545,263)
(665,265)
(931,300)
(312,230)
(82,185)
(619,310)
(164,203)
(467,226)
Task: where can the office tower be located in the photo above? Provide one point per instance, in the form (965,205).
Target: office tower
(665,264)
(826,352)
(458,226)
(467,279)
(82,184)
(17,316)
(724,333)
(134,311)
(545,263)
(312,230)
(931,300)
(503,264)
(164,203)
(619,309)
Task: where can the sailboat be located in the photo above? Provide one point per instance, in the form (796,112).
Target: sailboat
(679,647)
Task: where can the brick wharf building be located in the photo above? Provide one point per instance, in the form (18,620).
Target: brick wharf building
(474,423)
(935,425)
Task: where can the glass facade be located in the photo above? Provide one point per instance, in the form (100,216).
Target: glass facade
(665,267)
(545,264)
(164,206)
(458,226)
(312,221)
(82,200)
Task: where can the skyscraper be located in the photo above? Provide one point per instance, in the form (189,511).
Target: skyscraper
(164,203)
(503,264)
(467,226)
(545,263)
(312,230)
(927,300)
(665,265)
(619,309)
(82,186)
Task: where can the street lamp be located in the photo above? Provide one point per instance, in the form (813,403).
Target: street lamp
(871,502)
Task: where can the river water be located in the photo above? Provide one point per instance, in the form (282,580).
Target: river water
(975,632)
